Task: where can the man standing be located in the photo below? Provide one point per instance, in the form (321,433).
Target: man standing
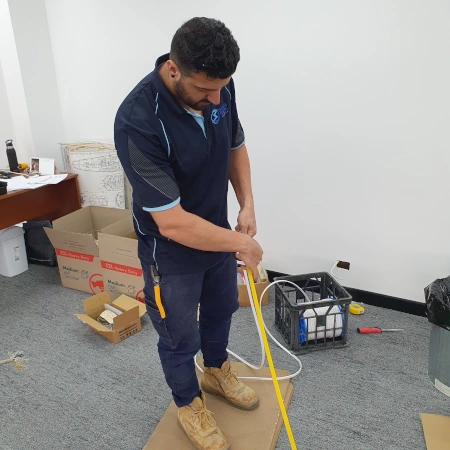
(180,141)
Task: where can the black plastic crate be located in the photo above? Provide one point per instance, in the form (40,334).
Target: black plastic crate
(316,318)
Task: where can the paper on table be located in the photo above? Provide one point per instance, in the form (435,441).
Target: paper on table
(44,180)
(36,182)
(55,179)
(16,183)
(20,182)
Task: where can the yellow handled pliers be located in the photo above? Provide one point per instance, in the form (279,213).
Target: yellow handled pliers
(156,287)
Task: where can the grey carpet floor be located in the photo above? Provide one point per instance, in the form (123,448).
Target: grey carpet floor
(79,391)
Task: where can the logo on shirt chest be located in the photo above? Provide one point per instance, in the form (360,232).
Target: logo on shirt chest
(218,113)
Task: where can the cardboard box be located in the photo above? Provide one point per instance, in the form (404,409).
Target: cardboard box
(436,430)
(244,299)
(120,265)
(244,431)
(124,325)
(74,238)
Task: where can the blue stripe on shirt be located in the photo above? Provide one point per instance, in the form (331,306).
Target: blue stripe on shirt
(163,208)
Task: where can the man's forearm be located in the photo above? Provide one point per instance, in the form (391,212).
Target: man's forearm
(193,231)
(240,177)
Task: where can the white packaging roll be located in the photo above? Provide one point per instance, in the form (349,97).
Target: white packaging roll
(112,309)
(334,323)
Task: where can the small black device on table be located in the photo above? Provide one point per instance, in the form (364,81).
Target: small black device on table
(3,187)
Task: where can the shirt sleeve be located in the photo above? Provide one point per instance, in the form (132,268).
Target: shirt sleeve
(237,132)
(147,166)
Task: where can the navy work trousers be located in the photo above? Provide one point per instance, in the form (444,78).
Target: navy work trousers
(180,336)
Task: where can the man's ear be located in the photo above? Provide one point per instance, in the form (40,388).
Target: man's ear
(173,70)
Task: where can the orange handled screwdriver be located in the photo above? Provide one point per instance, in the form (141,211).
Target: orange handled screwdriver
(376,330)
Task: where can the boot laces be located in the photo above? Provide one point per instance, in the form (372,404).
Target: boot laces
(205,418)
(230,378)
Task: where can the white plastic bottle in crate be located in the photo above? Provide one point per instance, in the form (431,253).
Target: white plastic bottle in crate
(13,256)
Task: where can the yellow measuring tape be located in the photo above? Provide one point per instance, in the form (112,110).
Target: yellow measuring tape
(269,360)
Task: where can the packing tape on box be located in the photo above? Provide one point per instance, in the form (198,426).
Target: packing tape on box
(316,320)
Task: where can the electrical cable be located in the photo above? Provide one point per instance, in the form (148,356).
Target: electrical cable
(287,425)
(332,273)
(263,356)
(265,350)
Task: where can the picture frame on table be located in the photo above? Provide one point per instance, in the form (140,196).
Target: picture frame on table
(42,166)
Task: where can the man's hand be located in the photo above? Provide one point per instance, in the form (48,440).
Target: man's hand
(251,256)
(246,222)
(194,232)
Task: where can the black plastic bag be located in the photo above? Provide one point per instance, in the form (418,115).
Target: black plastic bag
(437,297)
(39,248)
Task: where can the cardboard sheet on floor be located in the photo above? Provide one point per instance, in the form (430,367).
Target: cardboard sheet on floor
(436,430)
(245,430)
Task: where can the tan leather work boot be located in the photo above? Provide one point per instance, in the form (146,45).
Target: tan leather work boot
(224,383)
(201,429)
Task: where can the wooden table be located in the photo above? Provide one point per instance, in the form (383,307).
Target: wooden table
(45,203)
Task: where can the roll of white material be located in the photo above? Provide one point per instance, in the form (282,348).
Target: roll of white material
(112,309)
(314,320)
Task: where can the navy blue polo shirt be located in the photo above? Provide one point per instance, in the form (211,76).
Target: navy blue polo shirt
(170,156)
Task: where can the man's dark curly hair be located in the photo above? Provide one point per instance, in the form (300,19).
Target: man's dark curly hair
(203,45)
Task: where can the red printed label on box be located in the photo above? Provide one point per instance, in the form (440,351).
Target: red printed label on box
(127,270)
(96,283)
(74,255)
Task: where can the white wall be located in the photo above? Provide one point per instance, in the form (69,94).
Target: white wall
(35,55)
(345,106)
(6,125)
(14,89)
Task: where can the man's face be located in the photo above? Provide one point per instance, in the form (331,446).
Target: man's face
(197,91)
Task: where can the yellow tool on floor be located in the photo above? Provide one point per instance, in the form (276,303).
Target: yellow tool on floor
(356,309)
(269,360)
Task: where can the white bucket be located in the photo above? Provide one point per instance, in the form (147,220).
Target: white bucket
(331,319)
(13,256)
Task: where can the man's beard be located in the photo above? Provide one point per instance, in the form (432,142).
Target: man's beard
(184,97)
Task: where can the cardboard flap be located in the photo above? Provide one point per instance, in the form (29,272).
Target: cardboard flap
(125,318)
(436,430)
(142,309)
(122,227)
(93,323)
(78,243)
(264,271)
(113,248)
(95,302)
(103,217)
(127,303)
(79,221)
